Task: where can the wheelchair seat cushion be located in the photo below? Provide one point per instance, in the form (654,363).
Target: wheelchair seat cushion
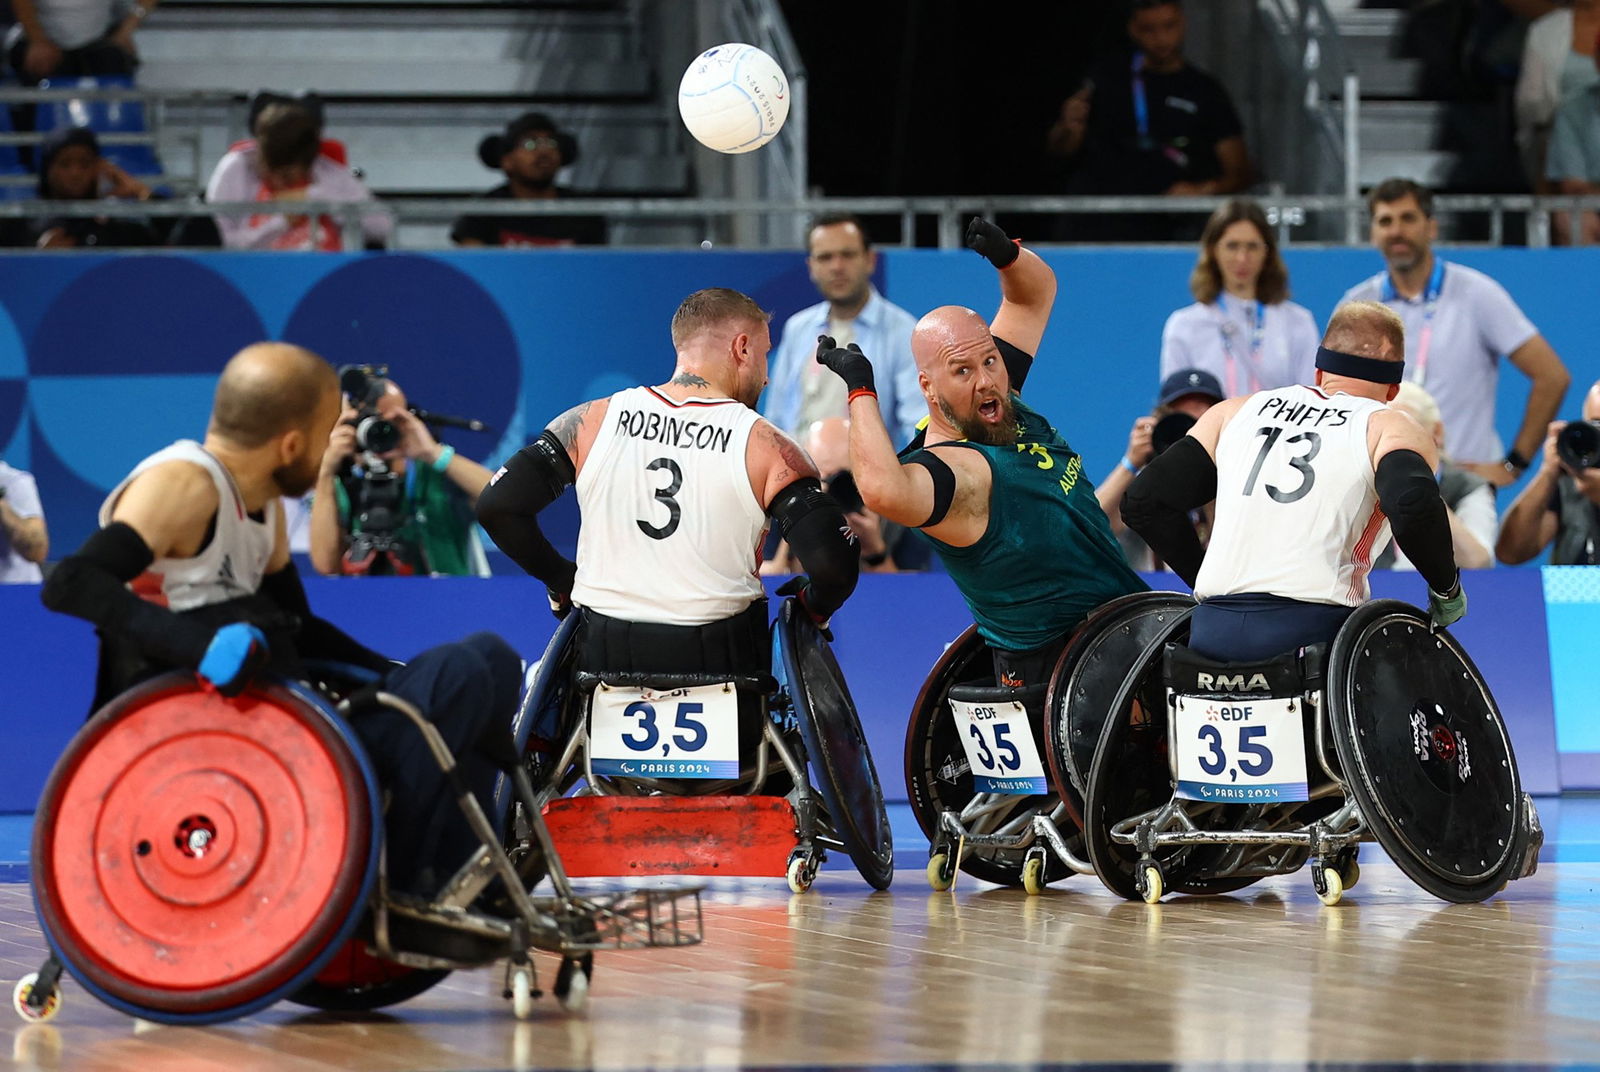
(1289,674)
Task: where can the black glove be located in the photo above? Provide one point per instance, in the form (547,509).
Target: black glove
(797,587)
(851,364)
(992,242)
(560,603)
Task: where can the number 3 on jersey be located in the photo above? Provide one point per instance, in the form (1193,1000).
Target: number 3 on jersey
(664,496)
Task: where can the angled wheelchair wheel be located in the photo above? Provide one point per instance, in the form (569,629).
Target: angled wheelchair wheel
(1092,668)
(939,778)
(353,980)
(1425,752)
(1130,775)
(202,857)
(836,746)
(543,707)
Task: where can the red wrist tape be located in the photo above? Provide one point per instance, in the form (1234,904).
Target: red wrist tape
(859,392)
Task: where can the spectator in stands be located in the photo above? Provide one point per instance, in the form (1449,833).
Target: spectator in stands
(1242,327)
(73,38)
(1150,122)
(1573,165)
(72,169)
(1458,324)
(1560,505)
(287,162)
(1468,498)
(531,152)
(800,392)
(1558,62)
(408,510)
(24,541)
(1185,395)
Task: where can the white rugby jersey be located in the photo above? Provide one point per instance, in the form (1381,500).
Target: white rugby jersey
(1297,511)
(229,566)
(671,529)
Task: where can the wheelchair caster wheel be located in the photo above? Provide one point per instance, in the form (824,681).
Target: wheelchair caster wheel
(572,982)
(1349,873)
(1033,875)
(941,871)
(802,872)
(1150,883)
(521,993)
(24,990)
(1331,888)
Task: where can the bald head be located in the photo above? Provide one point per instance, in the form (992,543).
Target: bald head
(828,443)
(1591,401)
(947,328)
(269,388)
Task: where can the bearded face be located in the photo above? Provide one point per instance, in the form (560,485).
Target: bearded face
(994,429)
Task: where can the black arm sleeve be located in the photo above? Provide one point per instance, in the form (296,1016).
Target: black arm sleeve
(92,583)
(1157,504)
(509,509)
(815,527)
(1018,362)
(1409,494)
(317,638)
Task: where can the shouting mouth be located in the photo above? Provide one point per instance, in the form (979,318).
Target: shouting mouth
(991,411)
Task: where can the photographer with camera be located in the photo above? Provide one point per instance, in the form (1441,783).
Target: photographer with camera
(1185,395)
(389,498)
(1561,504)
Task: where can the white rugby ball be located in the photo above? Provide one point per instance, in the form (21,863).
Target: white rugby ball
(733,98)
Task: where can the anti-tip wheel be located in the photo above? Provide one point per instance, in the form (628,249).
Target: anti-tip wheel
(1331,888)
(802,872)
(1033,876)
(19,1000)
(522,993)
(940,874)
(1150,886)
(572,984)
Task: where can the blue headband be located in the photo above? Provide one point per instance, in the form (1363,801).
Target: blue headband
(1360,368)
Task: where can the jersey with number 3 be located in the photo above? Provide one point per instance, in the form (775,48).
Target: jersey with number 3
(671,529)
(1297,509)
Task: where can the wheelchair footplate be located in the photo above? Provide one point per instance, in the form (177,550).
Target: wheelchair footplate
(664,835)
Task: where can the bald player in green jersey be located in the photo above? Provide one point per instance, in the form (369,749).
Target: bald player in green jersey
(992,485)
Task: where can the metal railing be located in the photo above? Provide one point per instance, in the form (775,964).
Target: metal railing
(1312,56)
(1289,214)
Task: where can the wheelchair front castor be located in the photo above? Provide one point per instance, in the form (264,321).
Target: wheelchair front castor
(802,870)
(37,995)
(941,866)
(1149,881)
(572,981)
(1325,876)
(1033,872)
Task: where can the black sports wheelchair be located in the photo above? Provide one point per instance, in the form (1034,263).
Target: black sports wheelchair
(1209,776)
(197,858)
(998,796)
(701,773)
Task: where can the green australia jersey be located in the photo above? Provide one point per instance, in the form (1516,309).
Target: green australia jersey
(435,519)
(1048,557)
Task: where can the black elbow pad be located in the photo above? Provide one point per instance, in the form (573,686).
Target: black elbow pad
(818,534)
(532,478)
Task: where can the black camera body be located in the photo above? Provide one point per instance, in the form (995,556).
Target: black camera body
(364,385)
(1578,444)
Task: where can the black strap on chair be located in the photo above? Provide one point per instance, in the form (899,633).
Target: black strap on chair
(1027,695)
(1289,674)
(588,681)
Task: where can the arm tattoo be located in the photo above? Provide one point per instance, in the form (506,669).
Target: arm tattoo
(565,427)
(795,461)
(689,379)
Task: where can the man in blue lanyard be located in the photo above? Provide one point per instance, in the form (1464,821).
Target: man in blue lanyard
(1459,322)
(1153,123)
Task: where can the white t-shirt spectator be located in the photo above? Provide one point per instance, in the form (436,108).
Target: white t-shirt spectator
(74,23)
(1455,338)
(22,495)
(1248,346)
(238,178)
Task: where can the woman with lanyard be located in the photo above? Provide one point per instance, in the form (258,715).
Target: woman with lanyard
(1242,328)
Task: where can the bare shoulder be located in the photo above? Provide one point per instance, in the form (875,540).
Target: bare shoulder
(1391,429)
(973,475)
(775,461)
(170,506)
(576,428)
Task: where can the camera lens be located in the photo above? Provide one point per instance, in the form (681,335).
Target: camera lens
(1170,429)
(1578,444)
(377,435)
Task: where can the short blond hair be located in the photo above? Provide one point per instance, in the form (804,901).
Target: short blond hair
(714,307)
(1366,329)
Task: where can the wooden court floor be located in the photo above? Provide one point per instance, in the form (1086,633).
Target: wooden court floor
(841,977)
